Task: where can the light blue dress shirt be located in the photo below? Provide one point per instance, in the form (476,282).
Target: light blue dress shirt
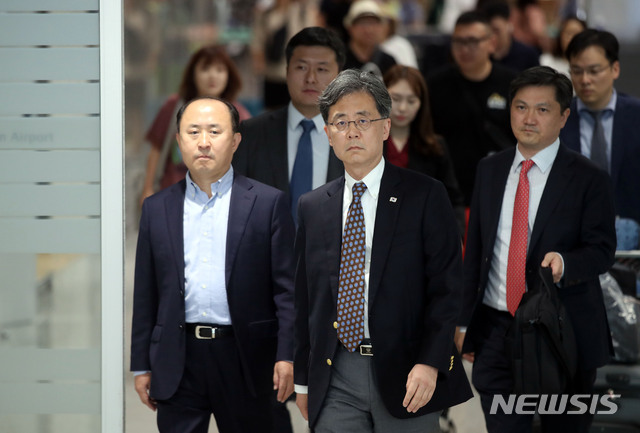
(587,123)
(205,223)
(319,145)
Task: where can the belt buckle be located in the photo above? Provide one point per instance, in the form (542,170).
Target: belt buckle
(366,350)
(212,329)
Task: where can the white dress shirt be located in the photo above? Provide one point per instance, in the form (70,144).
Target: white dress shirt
(495,295)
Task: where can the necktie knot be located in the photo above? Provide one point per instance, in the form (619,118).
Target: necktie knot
(526,166)
(357,190)
(307,125)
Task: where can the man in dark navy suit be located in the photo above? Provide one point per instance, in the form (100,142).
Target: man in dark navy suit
(566,223)
(213,299)
(594,67)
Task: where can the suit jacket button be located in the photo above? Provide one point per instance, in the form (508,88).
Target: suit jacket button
(328,362)
(181,326)
(335,325)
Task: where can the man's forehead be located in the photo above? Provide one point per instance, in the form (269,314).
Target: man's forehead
(472,29)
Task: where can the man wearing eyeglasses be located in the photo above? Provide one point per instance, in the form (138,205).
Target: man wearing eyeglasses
(469,99)
(603,124)
(378,281)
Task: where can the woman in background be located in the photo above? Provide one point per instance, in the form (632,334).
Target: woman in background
(570,27)
(412,143)
(209,72)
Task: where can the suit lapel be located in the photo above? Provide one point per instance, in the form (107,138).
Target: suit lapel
(242,201)
(278,156)
(174,212)
(336,168)
(553,192)
(618,140)
(492,208)
(386,219)
(331,210)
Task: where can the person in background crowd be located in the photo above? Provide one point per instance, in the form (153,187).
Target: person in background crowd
(557,59)
(272,29)
(509,51)
(364,23)
(287,148)
(530,25)
(537,204)
(412,143)
(209,72)
(469,100)
(603,124)
(395,45)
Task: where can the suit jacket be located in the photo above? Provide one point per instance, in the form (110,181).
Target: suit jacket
(414,288)
(575,218)
(625,152)
(262,154)
(259,282)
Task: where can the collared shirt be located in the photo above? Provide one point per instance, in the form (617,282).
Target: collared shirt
(587,123)
(319,145)
(369,205)
(205,223)
(495,295)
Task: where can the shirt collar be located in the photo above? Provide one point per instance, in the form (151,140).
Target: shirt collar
(543,159)
(611,106)
(218,188)
(372,179)
(294,117)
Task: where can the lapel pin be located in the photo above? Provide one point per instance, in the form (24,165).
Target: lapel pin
(393,199)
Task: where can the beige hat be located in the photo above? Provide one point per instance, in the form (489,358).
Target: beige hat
(362,8)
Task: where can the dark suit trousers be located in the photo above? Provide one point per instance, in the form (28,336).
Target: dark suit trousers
(213,382)
(492,375)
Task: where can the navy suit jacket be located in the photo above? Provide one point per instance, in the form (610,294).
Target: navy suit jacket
(575,218)
(263,153)
(259,282)
(625,152)
(414,289)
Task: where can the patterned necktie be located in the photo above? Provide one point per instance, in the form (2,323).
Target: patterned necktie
(516,283)
(302,173)
(598,141)
(351,282)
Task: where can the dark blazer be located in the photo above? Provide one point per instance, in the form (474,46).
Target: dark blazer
(575,218)
(259,279)
(262,154)
(625,152)
(414,289)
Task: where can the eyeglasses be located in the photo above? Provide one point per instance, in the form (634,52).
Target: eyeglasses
(471,43)
(591,71)
(361,124)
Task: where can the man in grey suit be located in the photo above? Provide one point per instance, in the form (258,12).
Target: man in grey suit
(272,149)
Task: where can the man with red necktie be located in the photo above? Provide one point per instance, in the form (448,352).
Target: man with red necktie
(538,204)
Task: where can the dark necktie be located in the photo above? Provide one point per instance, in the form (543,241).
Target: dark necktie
(351,280)
(302,173)
(516,264)
(598,141)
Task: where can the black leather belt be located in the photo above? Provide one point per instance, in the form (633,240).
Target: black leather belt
(365,348)
(209,332)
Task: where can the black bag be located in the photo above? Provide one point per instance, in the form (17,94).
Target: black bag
(543,343)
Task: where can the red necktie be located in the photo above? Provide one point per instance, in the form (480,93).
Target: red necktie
(516,283)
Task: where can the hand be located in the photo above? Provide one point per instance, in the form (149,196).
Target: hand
(421,383)
(302,401)
(142,382)
(471,356)
(554,261)
(283,379)
(458,339)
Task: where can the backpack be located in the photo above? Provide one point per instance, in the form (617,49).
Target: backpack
(543,344)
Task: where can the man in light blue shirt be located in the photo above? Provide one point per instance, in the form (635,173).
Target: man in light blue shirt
(213,314)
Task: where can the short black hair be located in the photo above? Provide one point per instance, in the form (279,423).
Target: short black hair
(496,9)
(592,37)
(544,76)
(233,112)
(472,17)
(318,37)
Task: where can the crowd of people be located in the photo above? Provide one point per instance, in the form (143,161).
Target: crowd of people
(376,223)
